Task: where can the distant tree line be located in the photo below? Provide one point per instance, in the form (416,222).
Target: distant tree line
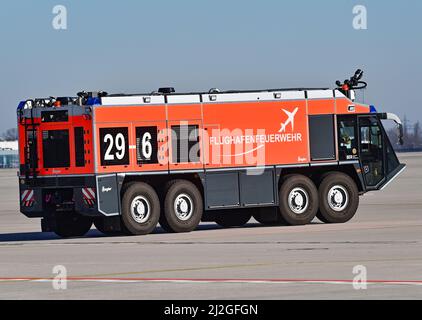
(9,135)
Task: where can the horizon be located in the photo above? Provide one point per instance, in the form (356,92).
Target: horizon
(140,46)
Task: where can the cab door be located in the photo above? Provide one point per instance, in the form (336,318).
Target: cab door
(371,150)
(347,138)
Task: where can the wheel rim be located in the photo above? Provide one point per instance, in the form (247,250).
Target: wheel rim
(338,198)
(298,200)
(140,209)
(183,207)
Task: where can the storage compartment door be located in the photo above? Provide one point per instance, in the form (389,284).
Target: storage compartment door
(322,137)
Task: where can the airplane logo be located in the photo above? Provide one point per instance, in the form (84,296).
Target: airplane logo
(290,120)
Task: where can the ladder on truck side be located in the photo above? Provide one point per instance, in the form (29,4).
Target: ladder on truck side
(30,149)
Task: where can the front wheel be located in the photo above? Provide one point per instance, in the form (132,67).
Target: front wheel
(338,198)
(298,200)
(140,209)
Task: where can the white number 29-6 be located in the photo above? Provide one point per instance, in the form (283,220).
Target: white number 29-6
(146,145)
(120,146)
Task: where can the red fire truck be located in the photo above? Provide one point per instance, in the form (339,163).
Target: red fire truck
(128,162)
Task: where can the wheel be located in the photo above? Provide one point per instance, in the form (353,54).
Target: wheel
(183,207)
(338,198)
(268,216)
(72,225)
(298,200)
(140,209)
(233,218)
(101,225)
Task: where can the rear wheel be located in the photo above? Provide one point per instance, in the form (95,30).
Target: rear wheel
(183,207)
(338,198)
(268,216)
(298,200)
(102,225)
(72,225)
(140,209)
(233,218)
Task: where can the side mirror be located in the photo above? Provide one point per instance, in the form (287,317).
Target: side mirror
(400,134)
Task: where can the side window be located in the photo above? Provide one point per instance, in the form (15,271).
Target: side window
(392,160)
(185,143)
(114,146)
(347,137)
(146,145)
(370,135)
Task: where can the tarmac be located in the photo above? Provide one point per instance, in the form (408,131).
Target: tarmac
(382,245)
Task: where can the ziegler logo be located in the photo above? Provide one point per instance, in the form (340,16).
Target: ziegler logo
(104,189)
(290,120)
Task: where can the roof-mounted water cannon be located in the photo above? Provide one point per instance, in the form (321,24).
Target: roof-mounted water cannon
(349,86)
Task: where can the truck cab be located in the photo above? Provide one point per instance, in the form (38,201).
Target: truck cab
(363,138)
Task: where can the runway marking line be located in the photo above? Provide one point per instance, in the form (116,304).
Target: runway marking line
(230,266)
(215,280)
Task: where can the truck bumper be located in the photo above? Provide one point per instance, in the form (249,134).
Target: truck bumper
(43,196)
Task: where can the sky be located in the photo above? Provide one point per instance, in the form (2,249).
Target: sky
(133,46)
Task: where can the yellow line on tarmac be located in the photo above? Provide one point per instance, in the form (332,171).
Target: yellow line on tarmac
(232,266)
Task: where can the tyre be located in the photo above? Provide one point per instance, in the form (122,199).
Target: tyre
(72,225)
(268,216)
(101,225)
(338,198)
(298,200)
(233,218)
(183,207)
(140,209)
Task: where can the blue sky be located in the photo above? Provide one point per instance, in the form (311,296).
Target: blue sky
(138,46)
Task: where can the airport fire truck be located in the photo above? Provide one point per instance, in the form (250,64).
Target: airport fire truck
(126,162)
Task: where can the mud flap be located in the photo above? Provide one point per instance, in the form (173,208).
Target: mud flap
(31,202)
(108,195)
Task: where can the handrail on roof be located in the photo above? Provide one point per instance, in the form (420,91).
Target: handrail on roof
(219,92)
